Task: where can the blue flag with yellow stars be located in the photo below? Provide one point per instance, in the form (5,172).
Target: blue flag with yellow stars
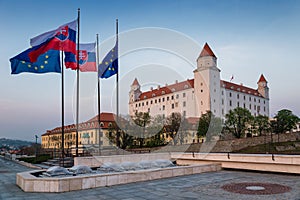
(47,62)
(109,65)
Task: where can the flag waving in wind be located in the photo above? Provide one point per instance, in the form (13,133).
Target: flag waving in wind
(87,58)
(63,38)
(109,65)
(47,62)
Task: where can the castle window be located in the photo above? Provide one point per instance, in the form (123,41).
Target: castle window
(184,113)
(168,98)
(201,90)
(172,105)
(176,104)
(232,87)
(201,103)
(186,86)
(148,110)
(155,100)
(264,109)
(250,107)
(177,96)
(136,105)
(147,103)
(172,97)
(153,95)
(249,98)
(264,102)
(183,95)
(254,99)
(145,97)
(258,100)
(222,92)
(238,104)
(244,97)
(238,96)
(201,84)
(173,90)
(230,94)
(222,111)
(143,104)
(184,104)
(109,124)
(101,124)
(151,102)
(230,103)
(139,104)
(244,105)
(163,107)
(163,92)
(158,100)
(222,101)
(254,107)
(163,99)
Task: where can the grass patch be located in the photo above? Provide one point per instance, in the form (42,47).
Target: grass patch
(271,148)
(38,160)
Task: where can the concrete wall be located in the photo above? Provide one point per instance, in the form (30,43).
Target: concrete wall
(259,162)
(96,161)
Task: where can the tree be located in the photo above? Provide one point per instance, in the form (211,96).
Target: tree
(237,121)
(284,121)
(262,124)
(172,125)
(142,119)
(209,125)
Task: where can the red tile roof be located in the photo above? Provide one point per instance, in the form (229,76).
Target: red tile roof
(135,82)
(168,89)
(190,84)
(206,51)
(262,79)
(193,120)
(239,88)
(106,119)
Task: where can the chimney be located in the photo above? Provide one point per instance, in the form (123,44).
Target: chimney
(151,88)
(176,81)
(158,87)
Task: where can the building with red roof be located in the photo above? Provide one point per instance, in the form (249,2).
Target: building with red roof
(205,92)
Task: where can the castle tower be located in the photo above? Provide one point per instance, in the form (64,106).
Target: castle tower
(207,83)
(263,87)
(135,91)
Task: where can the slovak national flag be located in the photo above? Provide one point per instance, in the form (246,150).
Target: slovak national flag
(63,38)
(87,58)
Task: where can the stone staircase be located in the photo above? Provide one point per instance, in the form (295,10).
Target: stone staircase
(67,162)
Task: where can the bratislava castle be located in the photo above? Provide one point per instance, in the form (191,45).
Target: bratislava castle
(205,92)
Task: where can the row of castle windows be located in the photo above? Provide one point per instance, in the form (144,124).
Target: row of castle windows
(238,97)
(250,106)
(159,100)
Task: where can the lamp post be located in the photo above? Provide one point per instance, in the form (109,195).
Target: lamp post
(36,137)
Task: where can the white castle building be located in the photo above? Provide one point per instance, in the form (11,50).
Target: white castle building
(205,92)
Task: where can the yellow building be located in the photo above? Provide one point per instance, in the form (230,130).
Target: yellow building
(88,133)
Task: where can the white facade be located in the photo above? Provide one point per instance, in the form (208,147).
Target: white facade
(206,92)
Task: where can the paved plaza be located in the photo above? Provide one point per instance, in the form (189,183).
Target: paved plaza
(200,186)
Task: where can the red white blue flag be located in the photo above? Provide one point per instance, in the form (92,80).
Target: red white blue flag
(63,38)
(87,58)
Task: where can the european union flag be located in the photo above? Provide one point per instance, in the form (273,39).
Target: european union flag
(109,65)
(47,62)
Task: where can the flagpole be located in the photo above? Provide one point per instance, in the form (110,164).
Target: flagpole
(77,100)
(117,84)
(62,111)
(98,79)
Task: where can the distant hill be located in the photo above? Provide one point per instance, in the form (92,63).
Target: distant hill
(13,144)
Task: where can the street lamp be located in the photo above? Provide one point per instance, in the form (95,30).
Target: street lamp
(36,137)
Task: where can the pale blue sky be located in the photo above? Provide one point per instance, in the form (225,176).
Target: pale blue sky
(248,37)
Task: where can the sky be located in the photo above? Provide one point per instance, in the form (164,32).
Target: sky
(159,43)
